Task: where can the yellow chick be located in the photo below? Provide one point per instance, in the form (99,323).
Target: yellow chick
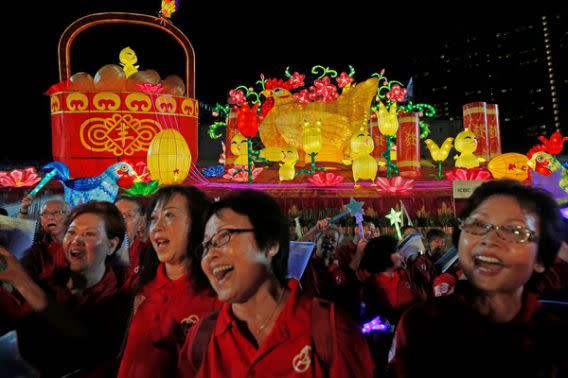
(128,60)
(287,169)
(239,148)
(439,153)
(466,144)
(364,165)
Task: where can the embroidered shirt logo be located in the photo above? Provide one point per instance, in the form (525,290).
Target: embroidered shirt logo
(190,320)
(302,361)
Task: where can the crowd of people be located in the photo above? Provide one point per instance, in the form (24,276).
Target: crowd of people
(178,285)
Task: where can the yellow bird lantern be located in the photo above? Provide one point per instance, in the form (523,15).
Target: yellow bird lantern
(466,144)
(311,137)
(239,148)
(128,61)
(169,158)
(287,169)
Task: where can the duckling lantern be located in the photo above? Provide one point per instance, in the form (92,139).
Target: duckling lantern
(466,144)
(363,164)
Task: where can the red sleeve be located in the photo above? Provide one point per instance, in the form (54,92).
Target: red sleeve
(351,356)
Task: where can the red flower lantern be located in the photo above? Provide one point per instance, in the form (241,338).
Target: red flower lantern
(19,178)
(247,120)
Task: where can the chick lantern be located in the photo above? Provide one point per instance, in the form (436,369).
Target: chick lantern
(364,165)
(466,144)
(287,169)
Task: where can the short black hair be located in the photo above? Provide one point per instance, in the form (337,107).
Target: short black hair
(377,254)
(270,224)
(534,200)
(435,233)
(3,211)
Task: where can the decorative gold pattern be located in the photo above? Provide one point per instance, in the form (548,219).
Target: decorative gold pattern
(55,104)
(138,102)
(166,104)
(106,101)
(189,106)
(119,134)
(77,101)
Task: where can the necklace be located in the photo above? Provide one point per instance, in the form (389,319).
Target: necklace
(265,324)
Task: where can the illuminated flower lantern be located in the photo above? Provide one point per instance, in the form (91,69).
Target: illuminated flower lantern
(115,116)
(169,158)
(247,124)
(387,121)
(439,154)
(312,144)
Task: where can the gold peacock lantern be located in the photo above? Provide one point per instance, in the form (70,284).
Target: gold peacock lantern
(338,120)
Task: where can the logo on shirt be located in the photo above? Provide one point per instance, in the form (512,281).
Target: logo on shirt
(302,361)
(190,320)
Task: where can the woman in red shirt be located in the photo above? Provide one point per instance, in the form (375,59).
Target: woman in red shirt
(173,292)
(265,327)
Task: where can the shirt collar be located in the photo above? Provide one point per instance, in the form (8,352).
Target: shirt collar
(162,278)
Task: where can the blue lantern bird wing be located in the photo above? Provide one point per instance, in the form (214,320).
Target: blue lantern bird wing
(84,184)
(409,90)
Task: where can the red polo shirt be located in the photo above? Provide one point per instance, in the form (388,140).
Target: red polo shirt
(43,259)
(286,352)
(160,307)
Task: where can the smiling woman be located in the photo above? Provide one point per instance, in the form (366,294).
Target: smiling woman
(172,293)
(266,327)
(509,234)
(79,313)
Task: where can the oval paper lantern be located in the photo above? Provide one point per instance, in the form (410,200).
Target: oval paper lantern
(509,166)
(169,158)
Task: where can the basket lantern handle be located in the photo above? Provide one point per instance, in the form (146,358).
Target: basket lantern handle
(87,22)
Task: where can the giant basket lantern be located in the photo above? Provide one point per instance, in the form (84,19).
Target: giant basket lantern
(94,129)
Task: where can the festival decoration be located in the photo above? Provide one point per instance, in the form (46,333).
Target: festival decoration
(81,190)
(168,8)
(439,154)
(240,174)
(297,227)
(551,183)
(408,144)
(239,147)
(325,179)
(395,185)
(287,169)
(546,164)
(355,209)
(512,166)
(142,188)
(214,171)
(19,178)
(466,144)
(395,218)
(247,124)
(477,174)
(388,126)
(128,61)
(169,158)
(555,144)
(96,123)
(312,144)
(364,166)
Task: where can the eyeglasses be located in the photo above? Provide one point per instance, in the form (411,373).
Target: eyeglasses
(508,232)
(54,213)
(222,237)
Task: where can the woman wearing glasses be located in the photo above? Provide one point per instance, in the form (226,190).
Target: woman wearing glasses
(172,293)
(492,325)
(265,328)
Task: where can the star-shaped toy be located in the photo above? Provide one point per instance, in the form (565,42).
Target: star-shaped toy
(395,218)
(355,207)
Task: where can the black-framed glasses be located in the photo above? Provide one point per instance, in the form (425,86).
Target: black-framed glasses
(222,237)
(509,232)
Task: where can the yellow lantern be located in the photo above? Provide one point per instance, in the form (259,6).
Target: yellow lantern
(387,120)
(364,165)
(311,137)
(512,166)
(169,158)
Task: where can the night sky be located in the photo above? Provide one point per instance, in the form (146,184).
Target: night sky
(233,45)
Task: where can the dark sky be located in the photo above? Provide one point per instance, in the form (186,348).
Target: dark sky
(233,42)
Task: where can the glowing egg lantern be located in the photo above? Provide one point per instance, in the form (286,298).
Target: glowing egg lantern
(509,166)
(169,158)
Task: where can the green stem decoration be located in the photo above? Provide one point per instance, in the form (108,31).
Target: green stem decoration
(325,70)
(439,170)
(313,169)
(249,160)
(391,167)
